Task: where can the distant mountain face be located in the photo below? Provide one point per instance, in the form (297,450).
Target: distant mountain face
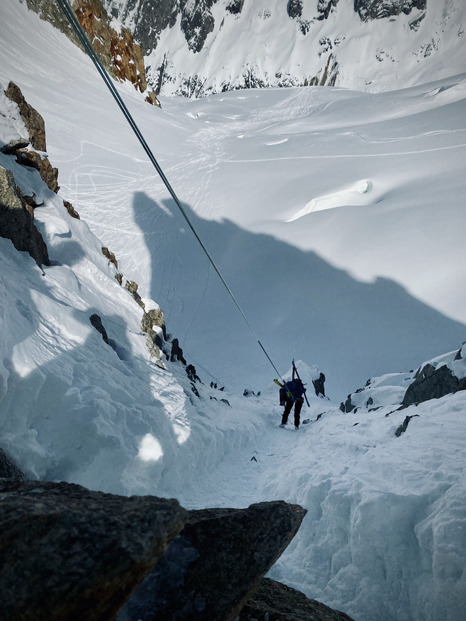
(196,47)
(197,21)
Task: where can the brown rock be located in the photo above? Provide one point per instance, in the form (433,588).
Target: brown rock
(31,118)
(154,318)
(71,210)
(110,256)
(118,52)
(48,173)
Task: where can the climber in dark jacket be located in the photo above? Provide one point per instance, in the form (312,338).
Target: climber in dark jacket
(292,393)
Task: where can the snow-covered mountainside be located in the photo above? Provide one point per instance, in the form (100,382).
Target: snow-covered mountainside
(204,46)
(337,217)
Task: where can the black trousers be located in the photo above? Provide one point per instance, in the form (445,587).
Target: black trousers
(297,411)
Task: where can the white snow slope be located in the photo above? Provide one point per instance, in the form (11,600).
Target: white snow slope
(338,220)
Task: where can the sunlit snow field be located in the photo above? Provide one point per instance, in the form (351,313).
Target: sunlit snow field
(337,218)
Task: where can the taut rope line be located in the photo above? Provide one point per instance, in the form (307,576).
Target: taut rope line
(71,17)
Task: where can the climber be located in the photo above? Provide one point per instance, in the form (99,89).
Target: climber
(292,392)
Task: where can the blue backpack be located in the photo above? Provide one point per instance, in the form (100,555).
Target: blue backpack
(293,388)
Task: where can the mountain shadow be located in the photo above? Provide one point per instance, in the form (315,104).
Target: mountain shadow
(298,304)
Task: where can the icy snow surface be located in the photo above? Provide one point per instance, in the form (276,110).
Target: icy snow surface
(338,219)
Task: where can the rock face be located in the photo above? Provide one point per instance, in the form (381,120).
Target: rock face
(277,602)
(444,375)
(199,26)
(211,569)
(197,22)
(152,18)
(36,129)
(68,553)
(378,9)
(96,322)
(31,118)
(17,220)
(118,52)
(8,468)
(432,383)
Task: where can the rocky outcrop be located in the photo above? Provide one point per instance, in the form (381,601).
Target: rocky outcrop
(110,256)
(404,425)
(277,602)
(324,8)
(70,553)
(36,129)
(31,118)
(177,352)
(196,22)
(212,568)
(17,220)
(72,211)
(43,166)
(153,325)
(96,322)
(294,8)
(432,383)
(444,375)
(8,468)
(150,20)
(347,406)
(378,9)
(119,53)
(235,7)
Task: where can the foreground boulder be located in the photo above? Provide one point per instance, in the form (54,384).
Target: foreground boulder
(277,602)
(214,566)
(67,553)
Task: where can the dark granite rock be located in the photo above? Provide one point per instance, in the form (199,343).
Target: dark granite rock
(277,602)
(378,9)
(212,568)
(67,553)
(432,383)
(8,468)
(96,321)
(17,220)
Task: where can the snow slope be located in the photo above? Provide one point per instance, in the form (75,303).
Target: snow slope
(337,217)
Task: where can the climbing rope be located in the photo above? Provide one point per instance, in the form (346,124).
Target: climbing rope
(76,26)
